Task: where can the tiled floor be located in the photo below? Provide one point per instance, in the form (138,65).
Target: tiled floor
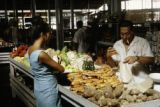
(5,91)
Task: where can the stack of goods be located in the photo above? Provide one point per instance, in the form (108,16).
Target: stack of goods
(97,79)
(103,88)
(3,43)
(19,51)
(20,55)
(154,41)
(5,46)
(70,60)
(156,38)
(115,96)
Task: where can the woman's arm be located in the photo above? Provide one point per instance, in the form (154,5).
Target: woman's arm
(46,59)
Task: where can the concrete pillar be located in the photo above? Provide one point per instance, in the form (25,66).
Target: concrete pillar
(59,24)
(72,14)
(49,13)
(33,7)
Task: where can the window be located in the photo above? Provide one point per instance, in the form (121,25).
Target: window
(142,10)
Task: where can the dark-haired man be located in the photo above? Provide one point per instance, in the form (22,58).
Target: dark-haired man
(80,43)
(132,50)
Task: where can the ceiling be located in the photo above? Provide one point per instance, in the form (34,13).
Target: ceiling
(44,4)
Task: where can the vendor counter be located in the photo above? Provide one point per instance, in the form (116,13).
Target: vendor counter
(25,92)
(23,88)
(5,50)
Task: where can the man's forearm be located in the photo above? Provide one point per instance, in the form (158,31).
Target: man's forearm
(145,60)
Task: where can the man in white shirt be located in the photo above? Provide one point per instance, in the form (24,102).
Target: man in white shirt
(80,38)
(132,50)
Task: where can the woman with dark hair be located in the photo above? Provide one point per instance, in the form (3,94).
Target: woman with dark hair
(44,68)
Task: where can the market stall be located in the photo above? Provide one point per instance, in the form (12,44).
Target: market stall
(20,89)
(5,49)
(21,81)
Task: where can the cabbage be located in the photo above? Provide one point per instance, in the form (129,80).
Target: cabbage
(55,58)
(86,57)
(58,52)
(72,55)
(64,58)
(64,49)
(63,64)
(51,52)
(18,58)
(25,62)
(70,68)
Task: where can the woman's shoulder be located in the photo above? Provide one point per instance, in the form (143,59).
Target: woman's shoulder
(33,51)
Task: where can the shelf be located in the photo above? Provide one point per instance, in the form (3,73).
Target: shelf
(23,92)
(4,57)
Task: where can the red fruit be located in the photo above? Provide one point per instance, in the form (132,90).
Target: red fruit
(14,54)
(22,53)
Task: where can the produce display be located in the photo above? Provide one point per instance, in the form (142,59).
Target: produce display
(6,46)
(19,51)
(103,88)
(88,65)
(97,79)
(70,60)
(4,43)
(20,55)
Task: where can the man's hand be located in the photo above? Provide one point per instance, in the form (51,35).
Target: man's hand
(131,59)
(111,51)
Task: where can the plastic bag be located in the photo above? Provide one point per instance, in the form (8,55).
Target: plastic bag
(125,72)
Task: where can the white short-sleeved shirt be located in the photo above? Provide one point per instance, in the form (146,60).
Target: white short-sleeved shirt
(138,47)
(79,36)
